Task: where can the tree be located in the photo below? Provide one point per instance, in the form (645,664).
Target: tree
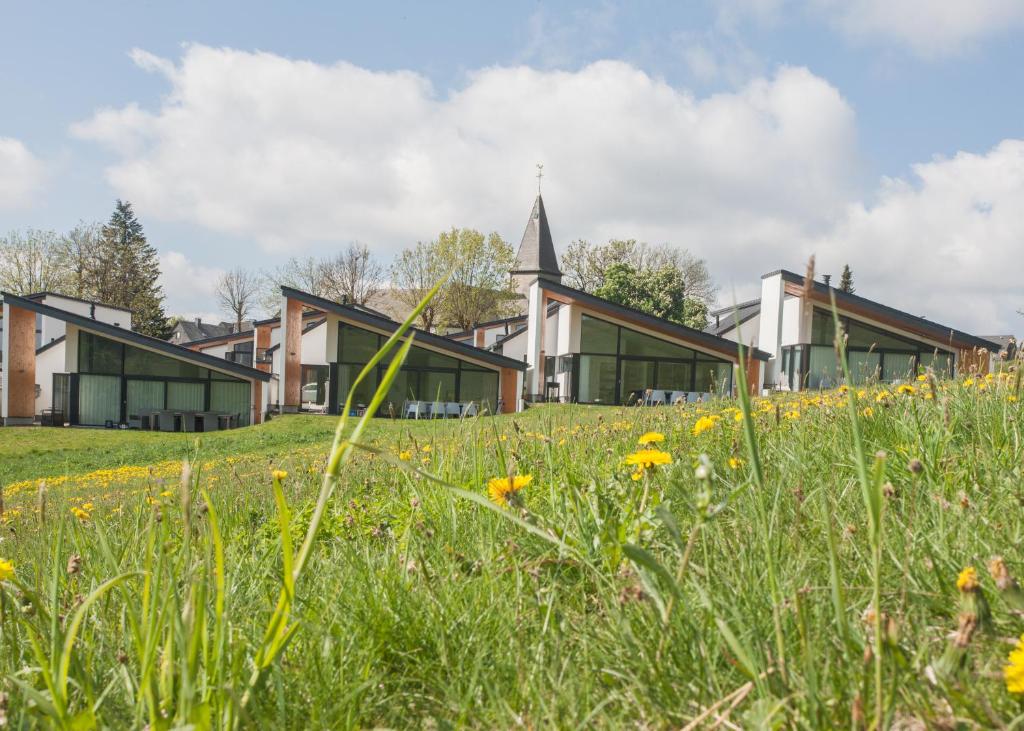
(80,254)
(480,288)
(352,276)
(128,271)
(31,262)
(305,274)
(236,293)
(587,266)
(661,292)
(846,280)
(415,271)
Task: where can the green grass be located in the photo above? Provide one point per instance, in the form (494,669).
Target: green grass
(595,601)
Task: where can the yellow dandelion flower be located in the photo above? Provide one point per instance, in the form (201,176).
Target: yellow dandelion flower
(967,580)
(1013,671)
(703,424)
(1011,398)
(6,569)
(279,475)
(79,513)
(906,388)
(969,382)
(734,463)
(427,448)
(651,437)
(500,489)
(868,412)
(646,459)
(405,455)
(882,396)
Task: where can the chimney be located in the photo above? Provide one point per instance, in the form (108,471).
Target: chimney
(828,279)
(199,321)
(717,317)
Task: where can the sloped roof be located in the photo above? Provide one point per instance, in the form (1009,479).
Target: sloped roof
(537,250)
(130,336)
(724,319)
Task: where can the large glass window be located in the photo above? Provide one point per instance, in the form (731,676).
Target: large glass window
(99,400)
(426,375)
(314,385)
(632,362)
(99,355)
(898,367)
(597,379)
(138,362)
(598,336)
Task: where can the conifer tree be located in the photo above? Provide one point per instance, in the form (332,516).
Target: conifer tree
(846,280)
(128,272)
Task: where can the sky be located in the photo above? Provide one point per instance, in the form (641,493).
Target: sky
(883,134)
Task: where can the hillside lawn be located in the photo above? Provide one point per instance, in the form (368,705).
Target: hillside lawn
(732,586)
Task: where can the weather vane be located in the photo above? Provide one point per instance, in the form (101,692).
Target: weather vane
(540,174)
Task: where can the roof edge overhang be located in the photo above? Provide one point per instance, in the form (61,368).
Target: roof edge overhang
(708,341)
(46,293)
(437,341)
(134,338)
(869,308)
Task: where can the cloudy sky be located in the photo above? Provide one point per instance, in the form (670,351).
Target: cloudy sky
(887,134)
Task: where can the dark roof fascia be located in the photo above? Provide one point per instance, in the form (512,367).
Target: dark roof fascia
(130,336)
(732,324)
(695,336)
(740,306)
(244,335)
(939,332)
(42,295)
(384,323)
(273,320)
(51,344)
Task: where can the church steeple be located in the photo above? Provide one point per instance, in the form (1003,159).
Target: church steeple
(536,258)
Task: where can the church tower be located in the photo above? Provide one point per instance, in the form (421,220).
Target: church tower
(536,258)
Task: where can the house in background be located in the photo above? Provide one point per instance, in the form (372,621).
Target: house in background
(189,331)
(104,374)
(792,321)
(50,339)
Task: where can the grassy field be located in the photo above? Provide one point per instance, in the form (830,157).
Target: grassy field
(795,564)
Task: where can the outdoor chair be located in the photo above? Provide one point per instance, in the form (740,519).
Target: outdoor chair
(413,409)
(677,397)
(452,409)
(692,397)
(166,421)
(656,397)
(469,409)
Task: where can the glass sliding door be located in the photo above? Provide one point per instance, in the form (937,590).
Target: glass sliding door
(231,398)
(637,376)
(674,376)
(898,367)
(186,396)
(99,400)
(437,386)
(143,395)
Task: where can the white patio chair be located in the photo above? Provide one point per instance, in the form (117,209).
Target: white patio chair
(677,397)
(469,409)
(692,397)
(452,409)
(413,409)
(657,397)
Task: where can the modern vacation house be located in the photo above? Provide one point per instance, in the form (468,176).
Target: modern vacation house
(80,363)
(101,373)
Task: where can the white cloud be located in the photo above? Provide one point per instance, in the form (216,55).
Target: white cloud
(21,173)
(296,154)
(190,289)
(946,244)
(928,28)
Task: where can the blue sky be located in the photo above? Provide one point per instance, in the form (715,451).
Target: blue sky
(788,127)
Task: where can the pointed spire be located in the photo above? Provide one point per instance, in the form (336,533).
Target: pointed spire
(537,250)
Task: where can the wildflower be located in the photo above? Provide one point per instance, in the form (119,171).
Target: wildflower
(868,412)
(504,489)
(279,475)
(1013,671)
(734,463)
(703,424)
(969,382)
(6,569)
(906,388)
(427,448)
(967,581)
(651,437)
(915,466)
(405,455)
(646,459)
(79,513)
(922,378)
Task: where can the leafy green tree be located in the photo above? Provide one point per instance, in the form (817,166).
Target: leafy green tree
(128,271)
(846,280)
(661,292)
(32,262)
(479,288)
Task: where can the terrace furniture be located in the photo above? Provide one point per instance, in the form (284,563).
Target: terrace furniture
(655,397)
(188,421)
(414,409)
(147,419)
(453,409)
(469,409)
(692,397)
(168,420)
(677,397)
(209,420)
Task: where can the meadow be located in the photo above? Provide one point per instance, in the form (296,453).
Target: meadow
(821,560)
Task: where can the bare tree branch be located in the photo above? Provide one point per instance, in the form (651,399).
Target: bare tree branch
(236,293)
